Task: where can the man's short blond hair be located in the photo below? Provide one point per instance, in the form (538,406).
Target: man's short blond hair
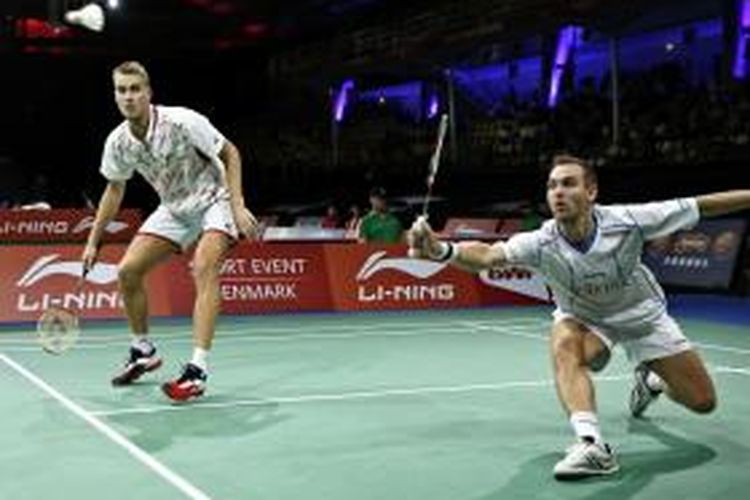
(133,68)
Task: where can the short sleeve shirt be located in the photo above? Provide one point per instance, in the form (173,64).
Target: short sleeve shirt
(381,228)
(608,282)
(179,157)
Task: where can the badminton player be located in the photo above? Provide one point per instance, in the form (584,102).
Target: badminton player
(590,255)
(196,172)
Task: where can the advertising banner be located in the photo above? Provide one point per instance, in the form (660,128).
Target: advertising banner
(368,277)
(258,278)
(703,257)
(34,278)
(63,226)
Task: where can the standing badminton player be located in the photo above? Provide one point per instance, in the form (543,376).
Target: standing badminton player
(197,173)
(590,256)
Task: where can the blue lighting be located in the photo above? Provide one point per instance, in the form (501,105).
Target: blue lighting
(406,98)
(487,86)
(342,99)
(567,41)
(433,107)
(743,34)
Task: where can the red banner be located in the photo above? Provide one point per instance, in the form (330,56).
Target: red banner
(365,277)
(258,278)
(383,277)
(36,277)
(63,226)
(347,277)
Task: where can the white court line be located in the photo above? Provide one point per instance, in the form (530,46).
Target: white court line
(731,369)
(25,346)
(715,347)
(374,394)
(177,481)
(511,331)
(250,337)
(249,329)
(345,396)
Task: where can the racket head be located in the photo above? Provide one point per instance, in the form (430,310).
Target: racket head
(57,330)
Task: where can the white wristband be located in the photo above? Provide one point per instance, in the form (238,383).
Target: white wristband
(448,252)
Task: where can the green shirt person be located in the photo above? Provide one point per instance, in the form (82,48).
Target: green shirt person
(380,226)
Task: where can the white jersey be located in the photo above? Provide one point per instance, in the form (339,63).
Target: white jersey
(179,157)
(606,284)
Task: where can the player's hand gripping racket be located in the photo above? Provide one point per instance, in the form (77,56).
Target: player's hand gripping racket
(420,232)
(58,328)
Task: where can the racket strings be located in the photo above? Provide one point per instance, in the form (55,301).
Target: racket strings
(58,330)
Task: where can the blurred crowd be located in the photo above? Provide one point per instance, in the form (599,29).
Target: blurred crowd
(662,119)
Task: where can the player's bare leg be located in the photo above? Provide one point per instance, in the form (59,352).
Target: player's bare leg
(682,377)
(142,255)
(574,350)
(209,255)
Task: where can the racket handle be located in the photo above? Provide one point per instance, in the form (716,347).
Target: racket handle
(421,224)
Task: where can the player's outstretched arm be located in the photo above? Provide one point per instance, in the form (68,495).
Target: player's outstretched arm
(471,255)
(725,202)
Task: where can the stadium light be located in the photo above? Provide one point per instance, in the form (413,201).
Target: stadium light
(342,99)
(433,107)
(567,41)
(743,34)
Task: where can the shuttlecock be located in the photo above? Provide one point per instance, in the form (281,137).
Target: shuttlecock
(90,16)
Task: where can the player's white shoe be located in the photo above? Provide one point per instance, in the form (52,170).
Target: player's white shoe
(585,459)
(641,396)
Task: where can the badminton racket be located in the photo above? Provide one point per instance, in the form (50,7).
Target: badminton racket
(435,163)
(58,327)
(417,234)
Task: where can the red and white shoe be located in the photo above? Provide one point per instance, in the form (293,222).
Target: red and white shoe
(137,364)
(189,385)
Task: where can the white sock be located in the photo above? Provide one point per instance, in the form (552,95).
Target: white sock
(586,426)
(199,358)
(142,343)
(654,382)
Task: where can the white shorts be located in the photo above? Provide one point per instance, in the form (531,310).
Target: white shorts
(662,338)
(183,232)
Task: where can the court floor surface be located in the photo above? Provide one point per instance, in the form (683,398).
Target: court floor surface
(438,405)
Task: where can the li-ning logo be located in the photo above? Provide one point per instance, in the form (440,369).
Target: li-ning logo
(33,301)
(46,266)
(421,269)
(412,292)
(88,222)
